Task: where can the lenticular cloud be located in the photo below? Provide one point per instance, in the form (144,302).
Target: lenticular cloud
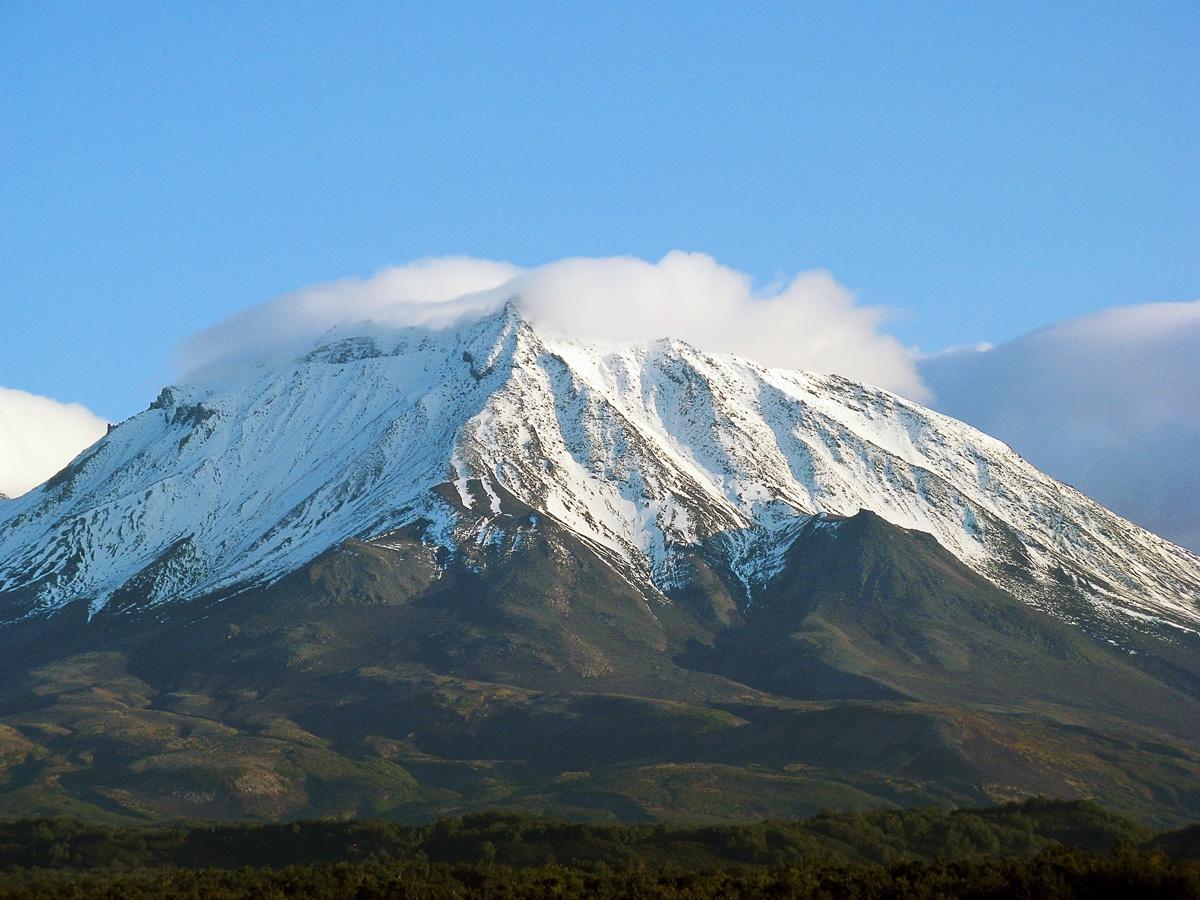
(810,322)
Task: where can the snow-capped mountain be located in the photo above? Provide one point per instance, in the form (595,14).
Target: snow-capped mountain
(471,434)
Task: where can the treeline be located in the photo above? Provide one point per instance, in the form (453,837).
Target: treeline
(1059,874)
(520,841)
(1035,849)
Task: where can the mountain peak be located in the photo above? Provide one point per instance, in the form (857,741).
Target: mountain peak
(653,456)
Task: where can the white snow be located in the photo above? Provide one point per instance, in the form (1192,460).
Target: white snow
(644,453)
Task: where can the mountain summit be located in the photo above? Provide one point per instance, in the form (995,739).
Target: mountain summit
(412,572)
(651,455)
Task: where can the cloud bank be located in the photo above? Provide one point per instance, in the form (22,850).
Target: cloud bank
(38,436)
(1109,403)
(809,322)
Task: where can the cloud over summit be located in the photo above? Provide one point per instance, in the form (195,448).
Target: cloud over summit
(809,322)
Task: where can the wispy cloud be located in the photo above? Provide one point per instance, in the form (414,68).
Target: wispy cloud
(38,436)
(1107,402)
(807,322)
(426,292)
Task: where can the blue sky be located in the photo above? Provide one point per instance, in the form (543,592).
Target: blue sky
(982,168)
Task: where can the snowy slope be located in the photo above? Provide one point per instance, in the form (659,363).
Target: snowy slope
(648,454)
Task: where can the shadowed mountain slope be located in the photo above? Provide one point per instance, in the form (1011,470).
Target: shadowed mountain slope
(876,671)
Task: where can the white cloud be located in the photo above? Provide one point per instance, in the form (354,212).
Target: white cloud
(1109,403)
(38,436)
(420,293)
(811,322)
